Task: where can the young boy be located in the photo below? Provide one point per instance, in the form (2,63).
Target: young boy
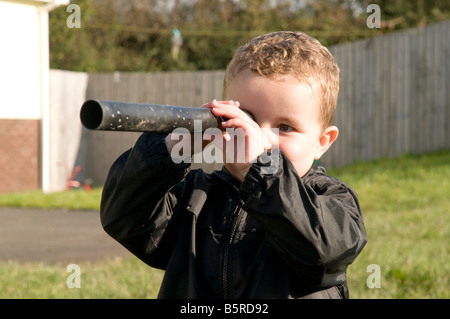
(242,232)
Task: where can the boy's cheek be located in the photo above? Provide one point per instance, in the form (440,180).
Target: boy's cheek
(302,164)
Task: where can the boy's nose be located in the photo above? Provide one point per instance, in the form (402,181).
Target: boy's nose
(270,137)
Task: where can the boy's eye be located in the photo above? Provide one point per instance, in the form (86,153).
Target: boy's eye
(285,128)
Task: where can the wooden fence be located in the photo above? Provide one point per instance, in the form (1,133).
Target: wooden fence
(394,98)
(394,95)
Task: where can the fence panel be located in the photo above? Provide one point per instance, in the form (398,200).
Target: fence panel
(394,95)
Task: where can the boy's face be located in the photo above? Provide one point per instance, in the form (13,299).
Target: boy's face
(289,106)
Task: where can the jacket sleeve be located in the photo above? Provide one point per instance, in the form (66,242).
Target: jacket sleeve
(139,199)
(314,223)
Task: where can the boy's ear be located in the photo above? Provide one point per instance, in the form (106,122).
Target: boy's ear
(329,135)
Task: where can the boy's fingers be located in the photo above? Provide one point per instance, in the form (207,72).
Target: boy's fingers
(209,104)
(229,102)
(235,122)
(227,109)
(232,113)
(226,136)
(221,104)
(225,103)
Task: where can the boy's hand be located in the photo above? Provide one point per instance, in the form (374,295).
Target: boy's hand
(170,142)
(240,148)
(248,141)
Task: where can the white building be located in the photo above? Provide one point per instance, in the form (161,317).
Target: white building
(24,94)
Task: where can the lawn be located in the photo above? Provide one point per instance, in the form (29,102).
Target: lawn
(77,199)
(405,203)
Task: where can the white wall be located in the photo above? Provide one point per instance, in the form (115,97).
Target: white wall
(20,61)
(67,94)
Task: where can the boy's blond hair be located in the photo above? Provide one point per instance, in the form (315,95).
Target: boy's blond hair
(293,53)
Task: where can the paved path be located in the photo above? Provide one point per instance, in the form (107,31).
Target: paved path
(54,236)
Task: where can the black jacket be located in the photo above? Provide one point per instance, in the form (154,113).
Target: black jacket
(272,236)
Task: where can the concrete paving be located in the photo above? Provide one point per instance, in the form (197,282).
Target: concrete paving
(55,236)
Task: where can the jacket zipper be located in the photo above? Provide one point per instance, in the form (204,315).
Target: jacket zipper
(226,254)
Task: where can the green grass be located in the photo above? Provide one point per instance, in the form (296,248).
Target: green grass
(115,278)
(405,203)
(78,199)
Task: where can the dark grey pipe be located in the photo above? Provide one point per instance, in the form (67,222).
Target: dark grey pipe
(136,117)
